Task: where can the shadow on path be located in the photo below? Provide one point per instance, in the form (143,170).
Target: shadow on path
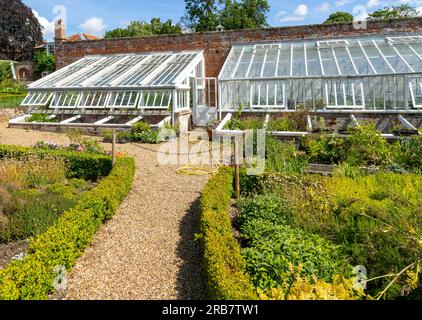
(190,280)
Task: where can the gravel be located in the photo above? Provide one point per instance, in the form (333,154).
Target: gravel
(147,251)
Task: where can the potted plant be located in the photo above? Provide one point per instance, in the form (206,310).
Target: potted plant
(211,126)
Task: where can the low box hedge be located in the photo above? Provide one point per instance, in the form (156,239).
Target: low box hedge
(224,265)
(60,246)
(80,165)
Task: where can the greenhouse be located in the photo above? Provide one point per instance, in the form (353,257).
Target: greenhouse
(368,74)
(117,90)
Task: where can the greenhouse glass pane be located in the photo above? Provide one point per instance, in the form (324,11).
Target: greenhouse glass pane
(299,67)
(328,62)
(118,70)
(95,99)
(284,61)
(123,99)
(65,100)
(314,65)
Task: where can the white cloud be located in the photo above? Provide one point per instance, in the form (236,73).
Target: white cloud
(93,25)
(373,3)
(299,14)
(323,7)
(48,27)
(301,10)
(340,3)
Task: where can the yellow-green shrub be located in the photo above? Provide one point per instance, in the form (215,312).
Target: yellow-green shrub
(224,265)
(64,242)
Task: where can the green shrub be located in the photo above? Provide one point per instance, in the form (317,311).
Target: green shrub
(408,154)
(324,149)
(375,218)
(39,117)
(141,127)
(368,147)
(224,265)
(273,249)
(79,165)
(283,157)
(64,242)
(267,207)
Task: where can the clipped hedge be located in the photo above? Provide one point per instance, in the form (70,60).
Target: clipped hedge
(224,265)
(80,165)
(63,243)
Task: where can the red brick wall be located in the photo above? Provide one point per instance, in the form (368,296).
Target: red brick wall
(217,44)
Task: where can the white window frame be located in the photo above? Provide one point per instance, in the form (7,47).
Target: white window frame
(157,103)
(115,96)
(58,95)
(87,94)
(266,104)
(37,99)
(354,106)
(412,92)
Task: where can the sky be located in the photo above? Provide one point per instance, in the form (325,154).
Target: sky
(97,16)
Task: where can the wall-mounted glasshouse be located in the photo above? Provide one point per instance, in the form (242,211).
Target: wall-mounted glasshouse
(117,90)
(360,74)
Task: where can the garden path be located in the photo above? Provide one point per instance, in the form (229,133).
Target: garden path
(147,251)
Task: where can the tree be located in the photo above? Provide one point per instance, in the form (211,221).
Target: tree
(142,28)
(248,14)
(20,31)
(44,62)
(339,17)
(207,15)
(402,11)
(201,15)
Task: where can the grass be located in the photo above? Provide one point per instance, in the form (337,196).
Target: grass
(33,195)
(10,101)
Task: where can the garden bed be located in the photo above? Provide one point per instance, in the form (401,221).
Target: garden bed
(33,277)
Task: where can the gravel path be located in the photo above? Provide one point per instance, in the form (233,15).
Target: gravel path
(147,251)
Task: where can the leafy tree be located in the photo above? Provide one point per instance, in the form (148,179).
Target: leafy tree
(207,15)
(142,28)
(402,11)
(202,15)
(20,31)
(248,14)
(339,17)
(43,62)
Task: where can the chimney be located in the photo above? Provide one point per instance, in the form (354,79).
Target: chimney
(60,30)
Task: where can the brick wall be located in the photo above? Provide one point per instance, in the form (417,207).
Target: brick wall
(217,44)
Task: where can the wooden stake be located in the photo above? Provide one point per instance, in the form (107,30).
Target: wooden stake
(113,149)
(236,170)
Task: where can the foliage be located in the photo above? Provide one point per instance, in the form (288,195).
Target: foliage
(20,31)
(376,218)
(394,12)
(64,242)
(368,147)
(408,154)
(11,100)
(142,28)
(283,157)
(141,132)
(274,249)
(79,165)
(224,265)
(44,62)
(5,71)
(230,14)
(39,117)
(339,17)
(323,148)
(246,14)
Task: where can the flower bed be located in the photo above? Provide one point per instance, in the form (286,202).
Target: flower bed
(64,242)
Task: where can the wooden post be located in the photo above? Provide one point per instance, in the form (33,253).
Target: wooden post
(236,169)
(113,148)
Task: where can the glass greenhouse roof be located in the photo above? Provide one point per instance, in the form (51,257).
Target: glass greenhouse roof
(117,72)
(326,58)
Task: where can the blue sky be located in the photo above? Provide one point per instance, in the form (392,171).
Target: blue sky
(97,16)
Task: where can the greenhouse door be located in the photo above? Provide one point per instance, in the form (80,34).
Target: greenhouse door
(205,91)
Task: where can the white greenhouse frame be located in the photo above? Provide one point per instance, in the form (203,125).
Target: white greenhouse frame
(360,73)
(158,81)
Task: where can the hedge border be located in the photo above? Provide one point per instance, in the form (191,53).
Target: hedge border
(224,266)
(80,165)
(61,245)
